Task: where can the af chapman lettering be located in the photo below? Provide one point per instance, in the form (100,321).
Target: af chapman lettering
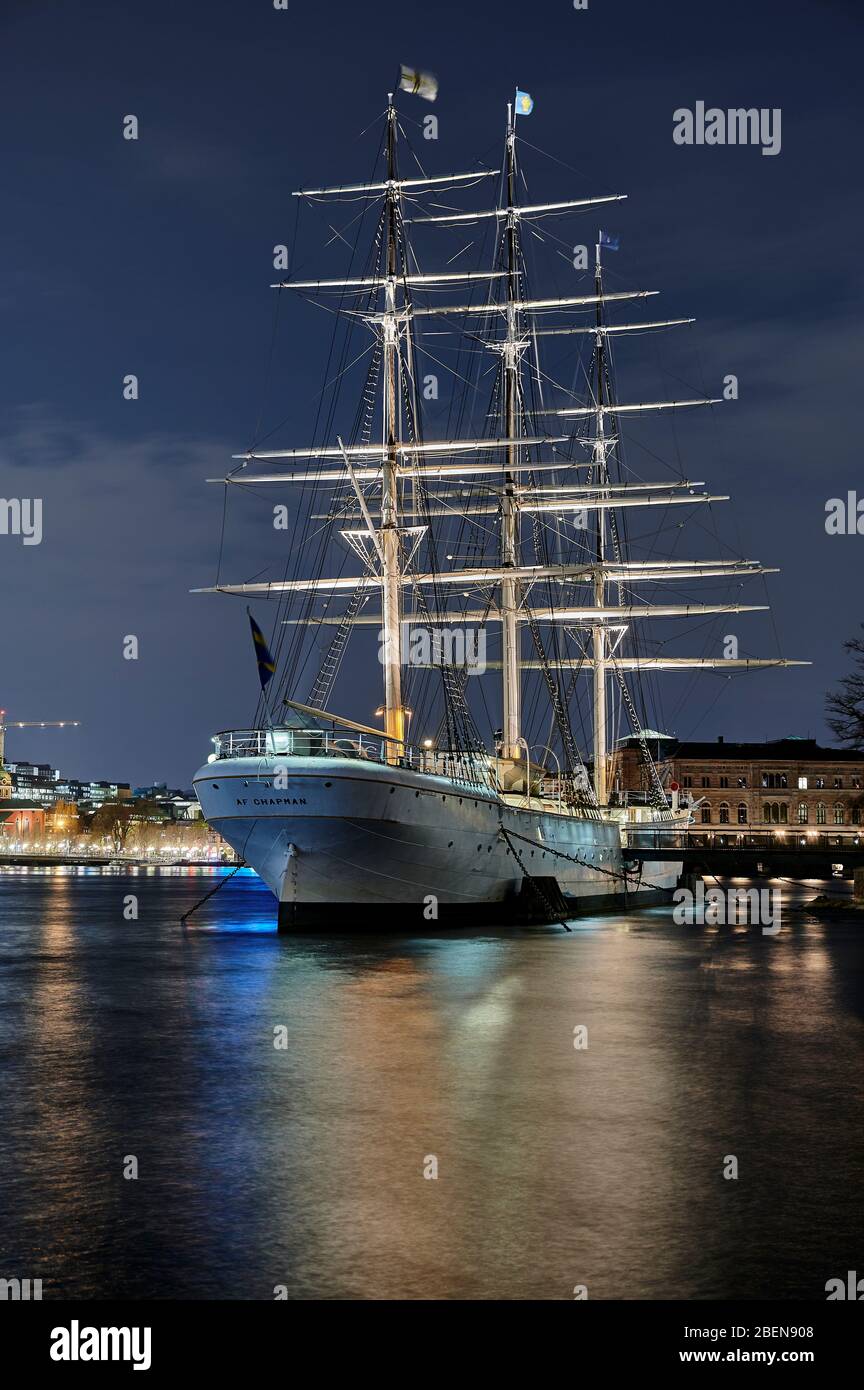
(271,801)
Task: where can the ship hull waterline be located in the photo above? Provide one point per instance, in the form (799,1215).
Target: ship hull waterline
(354,845)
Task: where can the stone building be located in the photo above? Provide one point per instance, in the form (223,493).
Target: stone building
(785,785)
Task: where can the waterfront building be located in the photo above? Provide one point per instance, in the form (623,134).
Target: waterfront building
(42,809)
(20,819)
(44,784)
(785,786)
(179,805)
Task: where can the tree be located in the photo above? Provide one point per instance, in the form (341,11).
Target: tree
(845,705)
(112,820)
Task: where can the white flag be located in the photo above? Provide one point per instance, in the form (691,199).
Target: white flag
(421,84)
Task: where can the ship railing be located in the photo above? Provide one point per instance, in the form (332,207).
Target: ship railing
(474,769)
(469,767)
(297,743)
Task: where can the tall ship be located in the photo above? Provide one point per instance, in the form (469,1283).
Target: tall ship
(490,563)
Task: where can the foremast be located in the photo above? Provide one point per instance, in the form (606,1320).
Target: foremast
(512,349)
(390,549)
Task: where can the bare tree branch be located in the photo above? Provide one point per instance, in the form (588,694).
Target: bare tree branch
(845,705)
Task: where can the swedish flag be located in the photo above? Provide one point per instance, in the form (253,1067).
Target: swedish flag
(266,664)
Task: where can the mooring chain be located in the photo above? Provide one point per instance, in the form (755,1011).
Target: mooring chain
(583,863)
(241,864)
(554,916)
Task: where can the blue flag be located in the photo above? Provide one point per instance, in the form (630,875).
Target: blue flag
(266,664)
(524,103)
(613,243)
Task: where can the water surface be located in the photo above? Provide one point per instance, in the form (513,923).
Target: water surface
(303,1165)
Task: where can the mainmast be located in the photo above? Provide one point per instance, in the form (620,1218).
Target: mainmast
(598,633)
(510,588)
(391,564)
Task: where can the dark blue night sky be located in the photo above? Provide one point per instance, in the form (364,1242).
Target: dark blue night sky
(154,257)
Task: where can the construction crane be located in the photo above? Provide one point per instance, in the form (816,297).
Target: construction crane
(30,724)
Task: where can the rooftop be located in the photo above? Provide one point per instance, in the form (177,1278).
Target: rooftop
(791,749)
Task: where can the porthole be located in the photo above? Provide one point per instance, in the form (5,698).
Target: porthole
(392,790)
(479,847)
(449,844)
(328,784)
(416,793)
(215,786)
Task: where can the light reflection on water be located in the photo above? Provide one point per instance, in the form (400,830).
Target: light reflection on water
(304,1165)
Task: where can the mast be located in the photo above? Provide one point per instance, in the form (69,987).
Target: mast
(510,629)
(391,565)
(508,461)
(598,633)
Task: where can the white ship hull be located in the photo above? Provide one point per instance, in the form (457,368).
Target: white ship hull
(362,844)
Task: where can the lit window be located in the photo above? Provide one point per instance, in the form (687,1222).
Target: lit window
(802,784)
